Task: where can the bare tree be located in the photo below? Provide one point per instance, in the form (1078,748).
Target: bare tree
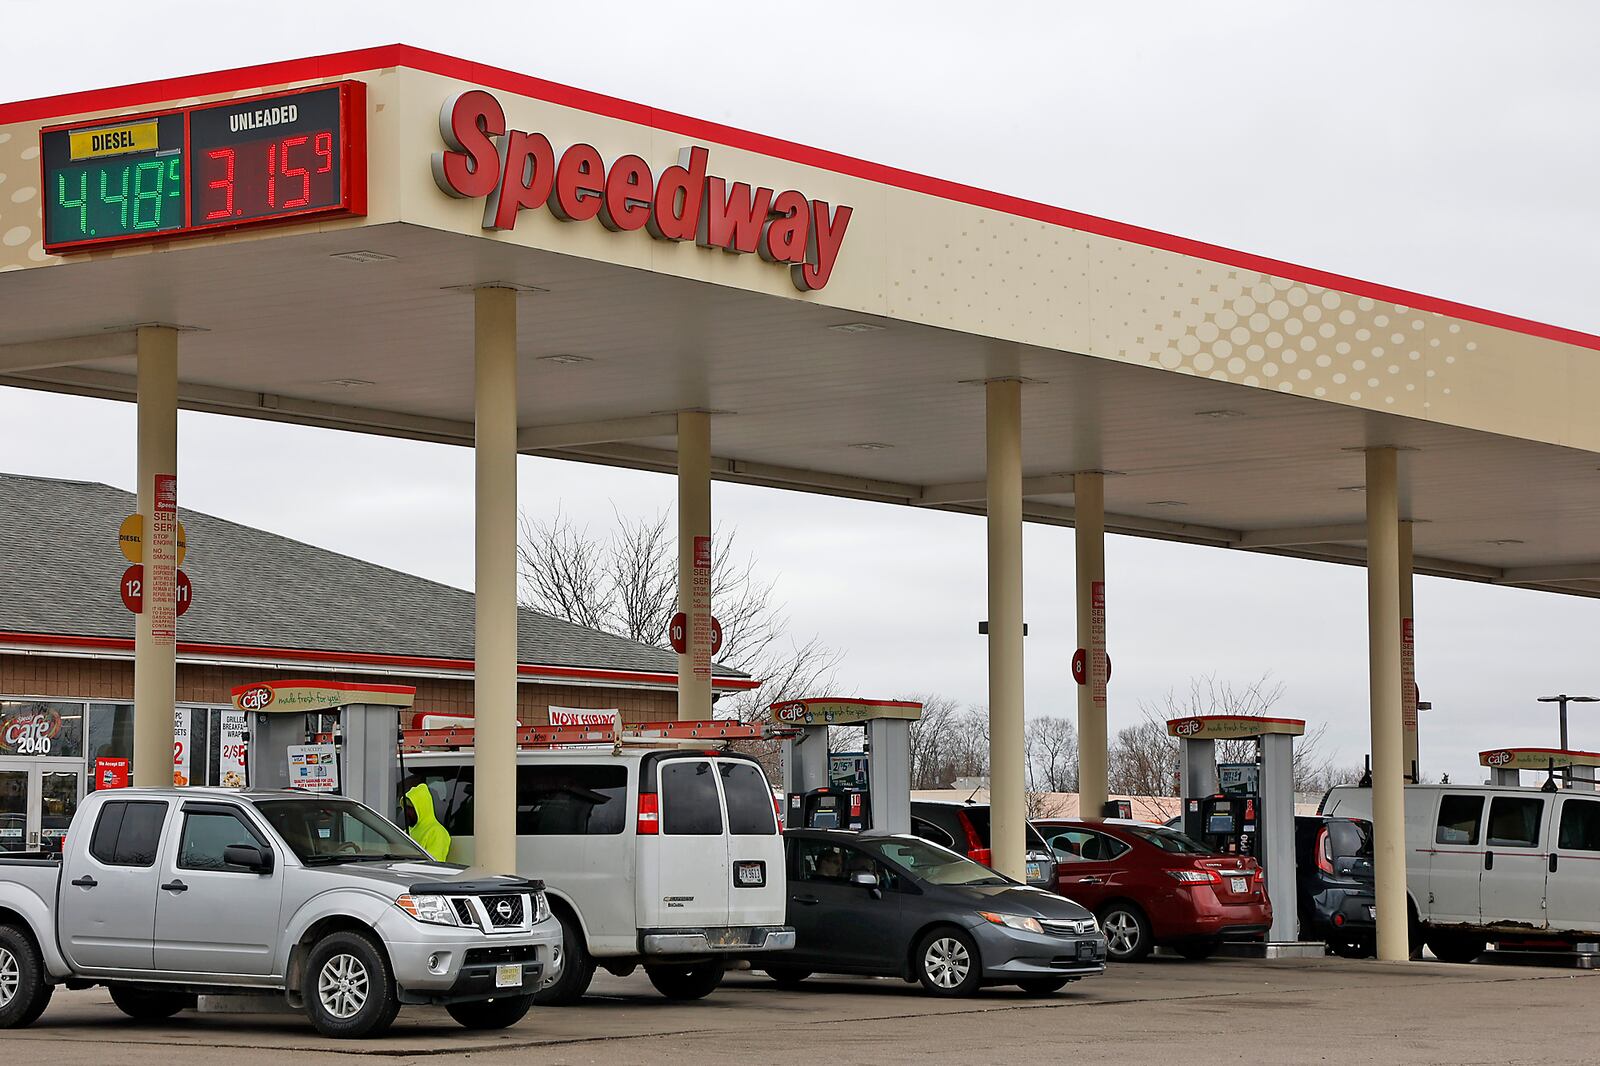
(948,742)
(624,580)
(1142,761)
(1050,749)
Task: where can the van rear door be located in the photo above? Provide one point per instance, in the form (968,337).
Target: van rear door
(1572,885)
(755,848)
(684,876)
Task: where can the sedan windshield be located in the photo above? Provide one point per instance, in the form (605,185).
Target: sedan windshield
(1169,840)
(322,830)
(933,864)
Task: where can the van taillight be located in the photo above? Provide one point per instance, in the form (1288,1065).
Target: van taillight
(777,811)
(976,851)
(649,814)
(1324,851)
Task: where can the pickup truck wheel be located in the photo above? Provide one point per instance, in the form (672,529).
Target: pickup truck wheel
(24,993)
(149,1004)
(348,989)
(577,967)
(695,981)
(490,1013)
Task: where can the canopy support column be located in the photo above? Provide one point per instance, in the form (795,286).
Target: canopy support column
(694,564)
(495,579)
(1089,535)
(1007,783)
(1383,643)
(1408,662)
(155,664)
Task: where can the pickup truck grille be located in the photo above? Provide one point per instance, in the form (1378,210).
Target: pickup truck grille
(494,914)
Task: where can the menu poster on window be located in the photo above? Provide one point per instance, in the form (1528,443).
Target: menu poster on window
(314,767)
(231,771)
(180,747)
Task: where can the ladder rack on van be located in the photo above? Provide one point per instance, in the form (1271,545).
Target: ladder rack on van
(550,736)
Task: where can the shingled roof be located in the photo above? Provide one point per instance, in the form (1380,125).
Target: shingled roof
(60,571)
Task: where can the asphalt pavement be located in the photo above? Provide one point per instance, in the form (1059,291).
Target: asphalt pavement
(1165,1011)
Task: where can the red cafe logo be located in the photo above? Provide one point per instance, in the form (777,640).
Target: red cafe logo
(789,712)
(685,203)
(1498,758)
(253,699)
(1189,727)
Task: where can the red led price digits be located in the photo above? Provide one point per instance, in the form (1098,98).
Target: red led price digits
(237,189)
(225,183)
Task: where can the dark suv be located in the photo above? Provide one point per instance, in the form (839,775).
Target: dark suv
(1333,862)
(964,828)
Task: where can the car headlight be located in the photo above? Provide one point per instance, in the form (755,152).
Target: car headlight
(1013,921)
(435,910)
(541,907)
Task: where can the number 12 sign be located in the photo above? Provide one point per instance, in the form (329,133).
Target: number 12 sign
(285,156)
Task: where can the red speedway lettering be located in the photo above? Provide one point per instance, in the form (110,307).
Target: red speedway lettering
(512,171)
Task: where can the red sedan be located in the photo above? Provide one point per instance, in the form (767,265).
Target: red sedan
(1152,886)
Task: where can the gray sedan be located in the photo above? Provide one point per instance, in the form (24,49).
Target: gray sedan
(884,904)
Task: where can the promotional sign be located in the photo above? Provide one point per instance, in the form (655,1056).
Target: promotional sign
(180,747)
(300,695)
(130,538)
(1536,758)
(314,767)
(162,562)
(30,730)
(1233,726)
(700,610)
(1099,665)
(231,769)
(111,773)
(514,171)
(847,769)
(828,710)
(290,155)
(609,719)
(1408,676)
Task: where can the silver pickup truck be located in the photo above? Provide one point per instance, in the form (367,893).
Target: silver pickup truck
(165,894)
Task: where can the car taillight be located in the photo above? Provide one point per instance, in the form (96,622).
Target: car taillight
(649,814)
(1324,851)
(1196,877)
(1261,876)
(777,811)
(977,851)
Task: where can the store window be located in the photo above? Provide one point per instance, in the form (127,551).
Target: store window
(110,735)
(42,729)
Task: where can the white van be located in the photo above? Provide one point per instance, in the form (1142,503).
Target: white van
(1488,863)
(671,859)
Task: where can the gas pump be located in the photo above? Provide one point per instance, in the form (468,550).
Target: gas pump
(1244,808)
(325,736)
(878,799)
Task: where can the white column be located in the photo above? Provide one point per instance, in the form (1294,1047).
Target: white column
(694,564)
(1007,775)
(1383,643)
(495,579)
(1089,534)
(155,673)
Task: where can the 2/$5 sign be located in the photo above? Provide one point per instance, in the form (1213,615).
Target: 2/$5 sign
(512,171)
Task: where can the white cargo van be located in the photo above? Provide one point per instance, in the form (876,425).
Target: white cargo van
(1491,863)
(667,858)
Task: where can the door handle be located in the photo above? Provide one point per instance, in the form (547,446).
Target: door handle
(88,882)
(1488,860)
(174,886)
(1091,880)
(1552,862)
(807,900)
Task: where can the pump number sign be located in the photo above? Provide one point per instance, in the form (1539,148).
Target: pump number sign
(266,159)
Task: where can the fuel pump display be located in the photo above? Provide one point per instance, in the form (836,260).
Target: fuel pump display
(867,789)
(830,808)
(1230,821)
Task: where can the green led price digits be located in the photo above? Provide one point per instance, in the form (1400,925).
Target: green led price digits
(114,198)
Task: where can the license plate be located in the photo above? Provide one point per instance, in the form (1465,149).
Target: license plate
(1240,885)
(508,976)
(750,874)
(1036,871)
(1085,949)
(1372,912)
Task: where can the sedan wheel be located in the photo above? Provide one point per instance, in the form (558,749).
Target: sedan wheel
(1128,936)
(947,963)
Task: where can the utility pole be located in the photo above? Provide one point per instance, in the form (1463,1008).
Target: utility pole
(1563,700)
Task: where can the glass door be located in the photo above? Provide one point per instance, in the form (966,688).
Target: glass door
(14,793)
(59,786)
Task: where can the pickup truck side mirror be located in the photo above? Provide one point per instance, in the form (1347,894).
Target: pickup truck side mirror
(252,858)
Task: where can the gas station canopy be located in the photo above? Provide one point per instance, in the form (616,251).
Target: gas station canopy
(832,314)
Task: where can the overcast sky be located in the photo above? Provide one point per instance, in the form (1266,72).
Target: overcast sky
(1444,147)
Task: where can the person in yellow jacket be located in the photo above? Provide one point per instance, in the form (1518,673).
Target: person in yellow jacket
(423,826)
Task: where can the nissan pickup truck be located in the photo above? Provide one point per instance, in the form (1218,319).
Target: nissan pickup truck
(162,895)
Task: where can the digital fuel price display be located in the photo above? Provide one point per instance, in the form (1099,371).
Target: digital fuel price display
(281,157)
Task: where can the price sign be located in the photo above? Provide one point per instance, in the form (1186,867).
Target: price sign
(280,157)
